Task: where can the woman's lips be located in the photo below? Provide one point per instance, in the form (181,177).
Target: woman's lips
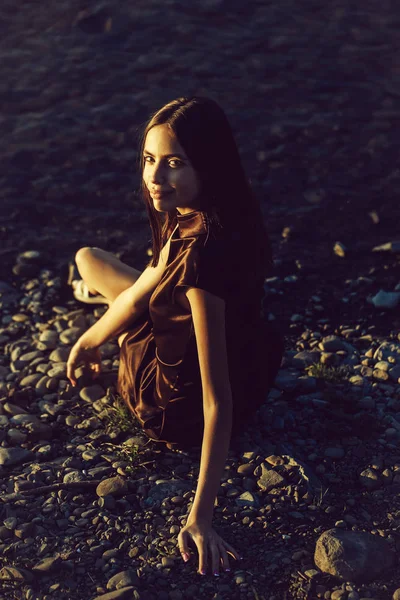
(159,195)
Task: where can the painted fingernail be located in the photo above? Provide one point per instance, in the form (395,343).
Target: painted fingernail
(185,556)
(216,574)
(241,557)
(227,570)
(202,572)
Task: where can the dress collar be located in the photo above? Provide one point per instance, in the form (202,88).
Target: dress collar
(192,224)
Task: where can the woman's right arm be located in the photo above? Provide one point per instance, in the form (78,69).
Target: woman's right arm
(125,309)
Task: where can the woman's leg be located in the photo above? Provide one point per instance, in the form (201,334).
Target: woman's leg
(105,274)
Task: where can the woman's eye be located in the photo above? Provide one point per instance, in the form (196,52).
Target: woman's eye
(174,163)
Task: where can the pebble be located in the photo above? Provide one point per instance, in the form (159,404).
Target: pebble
(335,453)
(113,486)
(121,594)
(48,565)
(386,300)
(269,479)
(71,335)
(370,479)
(340,249)
(15,574)
(60,355)
(123,579)
(14,456)
(92,393)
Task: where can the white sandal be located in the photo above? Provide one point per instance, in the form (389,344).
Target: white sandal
(80,289)
(82,294)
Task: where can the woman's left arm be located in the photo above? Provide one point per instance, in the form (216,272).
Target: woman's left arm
(208,314)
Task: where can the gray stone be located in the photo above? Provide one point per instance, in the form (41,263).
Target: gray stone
(247,499)
(380,375)
(47,565)
(305,358)
(126,593)
(30,356)
(14,409)
(113,486)
(353,556)
(269,479)
(166,489)
(357,380)
(14,456)
(16,437)
(92,393)
(386,300)
(387,350)
(340,249)
(60,354)
(122,579)
(286,381)
(73,476)
(394,373)
(48,339)
(332,343)
(334,453)
(388,247)
(58,371)
(5,533)
(71,335)
(370,479)
(30,380)
(15,574)
(36,428)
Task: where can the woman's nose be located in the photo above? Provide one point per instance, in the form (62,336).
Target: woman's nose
(157,174)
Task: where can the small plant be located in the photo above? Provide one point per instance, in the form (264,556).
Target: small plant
(118,415)
(330,374)
(129,454)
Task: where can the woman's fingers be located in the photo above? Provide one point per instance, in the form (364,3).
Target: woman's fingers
(224,558)
(215,554)
(183,544)
(71,366)
(230,550)
(201,544)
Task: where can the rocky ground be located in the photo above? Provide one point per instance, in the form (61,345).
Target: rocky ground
(310,496)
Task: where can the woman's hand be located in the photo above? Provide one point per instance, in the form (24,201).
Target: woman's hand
(208,543)
(81,356)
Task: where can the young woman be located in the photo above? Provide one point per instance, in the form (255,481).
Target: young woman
(196,357)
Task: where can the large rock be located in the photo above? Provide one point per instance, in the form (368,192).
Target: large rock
(122,579)
(113,486)
(353,555)
(48,565)
(92,393)
(14,456)
(269,479)
(126,593)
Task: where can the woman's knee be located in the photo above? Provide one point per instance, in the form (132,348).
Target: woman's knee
(86,255)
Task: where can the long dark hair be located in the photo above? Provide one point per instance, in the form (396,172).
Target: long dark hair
(202,129)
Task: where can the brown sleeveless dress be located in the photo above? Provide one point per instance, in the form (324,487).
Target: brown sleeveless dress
(159,373)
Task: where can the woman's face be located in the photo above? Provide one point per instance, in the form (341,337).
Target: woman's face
(167,172)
